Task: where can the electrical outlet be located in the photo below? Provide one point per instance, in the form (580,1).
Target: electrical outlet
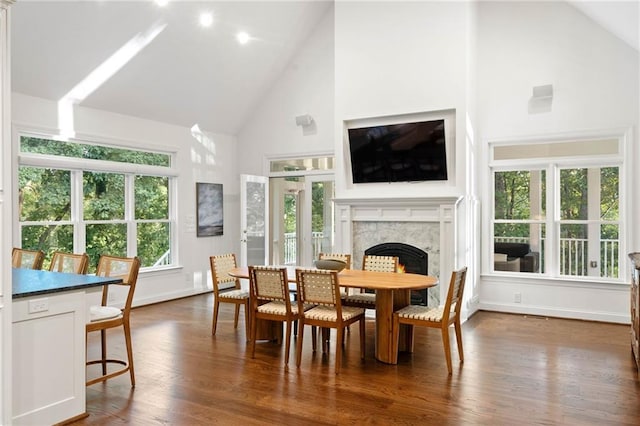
(38,305)
(517,297)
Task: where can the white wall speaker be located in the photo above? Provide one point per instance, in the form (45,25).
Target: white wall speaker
(304,120)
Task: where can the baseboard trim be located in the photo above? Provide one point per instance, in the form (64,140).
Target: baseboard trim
(557,313)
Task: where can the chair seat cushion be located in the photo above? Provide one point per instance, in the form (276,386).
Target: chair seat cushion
(328,313)
(279,308)
(101,313)
(368,298)
(234,294)
(423,313)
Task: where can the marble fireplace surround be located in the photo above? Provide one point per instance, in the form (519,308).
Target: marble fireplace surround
(427,223)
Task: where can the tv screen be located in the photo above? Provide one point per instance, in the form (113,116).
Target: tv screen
(403,152)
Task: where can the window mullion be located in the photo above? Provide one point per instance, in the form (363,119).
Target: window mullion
(77,212)
(129,214)
(552,247)
(593,228)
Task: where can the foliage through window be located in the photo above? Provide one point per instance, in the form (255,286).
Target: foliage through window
(566,212)
(114,201)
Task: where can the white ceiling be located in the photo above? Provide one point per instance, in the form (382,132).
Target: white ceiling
(187,75)
(618,17)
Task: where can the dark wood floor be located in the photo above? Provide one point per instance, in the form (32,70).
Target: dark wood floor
(518,370)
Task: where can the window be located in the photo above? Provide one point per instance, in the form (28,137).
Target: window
(556,208)
(82,197)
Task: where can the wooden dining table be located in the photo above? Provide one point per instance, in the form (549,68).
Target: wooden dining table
(393,291)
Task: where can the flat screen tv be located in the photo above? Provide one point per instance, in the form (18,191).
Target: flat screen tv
(404,152)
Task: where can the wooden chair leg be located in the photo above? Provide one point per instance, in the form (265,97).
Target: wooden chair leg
(314,338)
(254,326)
(299,343)
(247,323)
(127,340)
(362,338)
(340,332)
(214,322)
(236,316)
(326,337)
(288,343)
(447,347)
(103,350)
(459,340)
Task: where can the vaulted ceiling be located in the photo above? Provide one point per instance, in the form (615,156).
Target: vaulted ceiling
(174,70)
(187,74)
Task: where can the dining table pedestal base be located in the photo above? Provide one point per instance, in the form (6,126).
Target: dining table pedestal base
(269,330)
(388,301)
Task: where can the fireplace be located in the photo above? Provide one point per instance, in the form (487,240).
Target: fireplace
(412,259)
(430,224)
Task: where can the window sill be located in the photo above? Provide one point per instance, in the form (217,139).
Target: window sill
(543,280)
(160,270)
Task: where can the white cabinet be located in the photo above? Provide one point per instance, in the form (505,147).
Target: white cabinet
(48,358)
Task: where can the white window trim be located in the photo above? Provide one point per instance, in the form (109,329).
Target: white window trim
(621,160)
(76,165)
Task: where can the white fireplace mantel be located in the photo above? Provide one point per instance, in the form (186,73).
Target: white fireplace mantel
(438,210)
(396,209)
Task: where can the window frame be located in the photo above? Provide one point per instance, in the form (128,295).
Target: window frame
(76,167)
(552,222)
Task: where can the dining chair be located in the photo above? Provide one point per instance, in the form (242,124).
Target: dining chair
(28,259)
(345,257)
(371,263)
(442,317)
(270,299)
(69,262)
(221,265)
(322,289)
(104,317)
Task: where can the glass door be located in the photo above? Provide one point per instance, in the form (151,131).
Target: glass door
(302,208)
(318,222)
(285,209)
(254,217)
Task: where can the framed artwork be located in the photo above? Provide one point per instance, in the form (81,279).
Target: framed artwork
(210,219)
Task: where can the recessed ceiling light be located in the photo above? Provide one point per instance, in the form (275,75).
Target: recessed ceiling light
(206,19)
(162,3)
(243,38)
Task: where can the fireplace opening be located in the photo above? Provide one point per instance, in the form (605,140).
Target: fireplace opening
(413,260)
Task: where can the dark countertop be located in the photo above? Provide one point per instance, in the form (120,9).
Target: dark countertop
(29,282)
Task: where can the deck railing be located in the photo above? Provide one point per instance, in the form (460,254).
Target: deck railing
(290,246)
(574,259)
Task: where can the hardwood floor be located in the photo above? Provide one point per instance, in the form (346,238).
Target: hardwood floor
(517,370)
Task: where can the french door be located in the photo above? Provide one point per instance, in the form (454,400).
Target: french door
(302,212)
(254,220)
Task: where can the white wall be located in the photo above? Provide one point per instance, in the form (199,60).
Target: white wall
(305,87)
(395,58)
(595,82)
(214,162)
(398,58)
